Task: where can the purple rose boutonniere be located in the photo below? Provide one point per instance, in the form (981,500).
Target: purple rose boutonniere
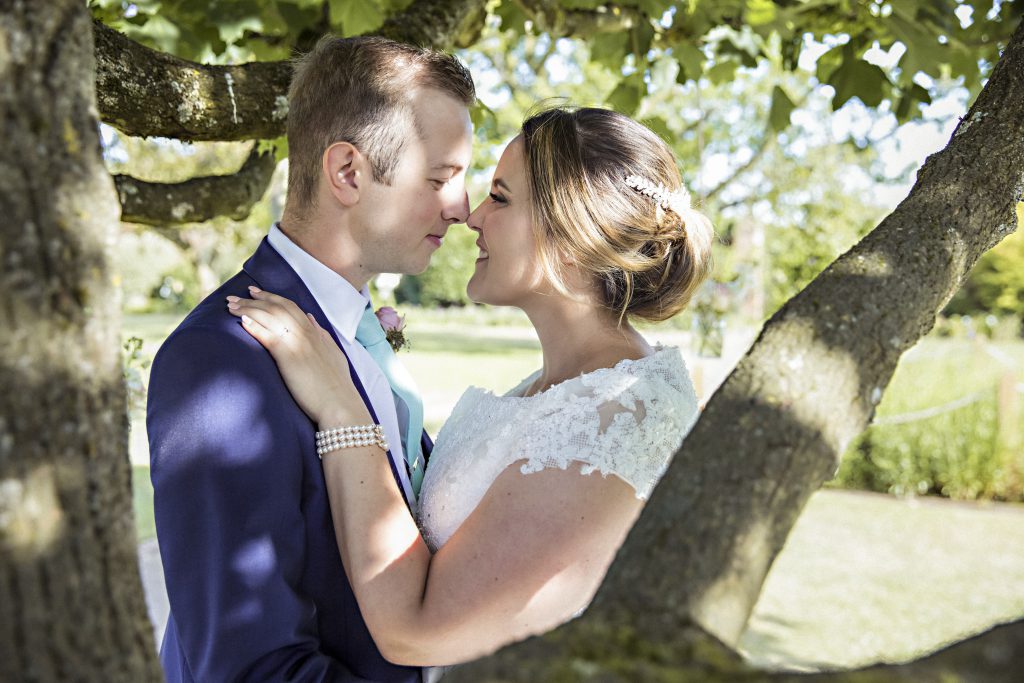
(394,326)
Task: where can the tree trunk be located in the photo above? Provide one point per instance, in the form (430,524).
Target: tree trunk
(694,563)
(71,602)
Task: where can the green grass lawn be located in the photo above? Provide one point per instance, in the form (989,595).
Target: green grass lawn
(865,577)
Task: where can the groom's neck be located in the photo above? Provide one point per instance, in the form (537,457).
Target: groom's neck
(330,245)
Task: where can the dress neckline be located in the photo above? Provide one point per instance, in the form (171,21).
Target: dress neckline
(659,351)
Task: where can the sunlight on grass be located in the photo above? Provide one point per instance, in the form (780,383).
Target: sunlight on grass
(866,576)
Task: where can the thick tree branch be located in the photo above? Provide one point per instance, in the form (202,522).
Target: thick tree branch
(440,24)
(620,655)
(144,92)
(995,656)
(196,199)
(579,22)
(695,562)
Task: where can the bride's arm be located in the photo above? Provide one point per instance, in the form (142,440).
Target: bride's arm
(530,555)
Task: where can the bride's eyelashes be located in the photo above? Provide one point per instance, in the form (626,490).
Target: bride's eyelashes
(497,198)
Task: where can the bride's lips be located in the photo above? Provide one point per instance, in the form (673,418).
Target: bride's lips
(483,253)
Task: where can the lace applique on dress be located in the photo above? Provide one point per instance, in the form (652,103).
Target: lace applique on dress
(627,420)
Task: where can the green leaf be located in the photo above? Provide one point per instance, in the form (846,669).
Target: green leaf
(760,12)
(609,49)
(924,52)
(828,62)
(156,32)
(782,107)
(653,8)
(643,34)
(723,72)
(356,17)
(904,108)
(627,94)
(483,116)
(691,62)
(907,9)
(728,47)
(857,78)
(660,126)
(273,21)
(231,30)
(512,17)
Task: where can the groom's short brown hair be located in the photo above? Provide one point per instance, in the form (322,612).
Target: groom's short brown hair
(357,90)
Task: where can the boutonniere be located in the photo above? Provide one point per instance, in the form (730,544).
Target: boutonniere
(394,326)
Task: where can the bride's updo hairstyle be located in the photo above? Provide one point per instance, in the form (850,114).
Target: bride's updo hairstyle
(647,259)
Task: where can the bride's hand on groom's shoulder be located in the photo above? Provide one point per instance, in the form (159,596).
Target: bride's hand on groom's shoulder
(313,367)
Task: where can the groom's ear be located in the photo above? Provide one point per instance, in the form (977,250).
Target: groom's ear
(344,167)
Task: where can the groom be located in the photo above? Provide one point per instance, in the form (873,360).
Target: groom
(379,141)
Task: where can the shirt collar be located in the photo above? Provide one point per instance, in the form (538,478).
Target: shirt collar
(340,301)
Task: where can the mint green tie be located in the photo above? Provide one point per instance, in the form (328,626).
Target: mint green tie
(371,335)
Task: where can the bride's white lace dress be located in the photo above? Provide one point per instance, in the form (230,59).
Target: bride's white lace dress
(625,421)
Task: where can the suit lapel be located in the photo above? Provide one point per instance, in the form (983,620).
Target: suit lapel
(273,274)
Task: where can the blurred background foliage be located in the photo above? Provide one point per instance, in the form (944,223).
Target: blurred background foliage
(798,126)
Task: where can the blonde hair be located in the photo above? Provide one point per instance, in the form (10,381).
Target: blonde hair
(357,90)
(648,261)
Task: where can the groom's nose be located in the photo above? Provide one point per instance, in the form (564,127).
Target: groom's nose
(456,210)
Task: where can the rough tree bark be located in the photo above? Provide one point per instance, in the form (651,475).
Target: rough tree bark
(71,602)
(684,584)
(197,199)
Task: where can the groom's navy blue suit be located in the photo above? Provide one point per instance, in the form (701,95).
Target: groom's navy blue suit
(254,578)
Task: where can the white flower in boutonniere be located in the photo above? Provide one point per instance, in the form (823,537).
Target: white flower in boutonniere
(394,326)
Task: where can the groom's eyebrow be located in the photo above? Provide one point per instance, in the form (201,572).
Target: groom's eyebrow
(455,168)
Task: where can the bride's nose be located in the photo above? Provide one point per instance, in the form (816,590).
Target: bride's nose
(474,220)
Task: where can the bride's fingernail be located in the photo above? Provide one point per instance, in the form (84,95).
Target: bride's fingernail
(232,298)
(233,305)
(246,320)
(254,289)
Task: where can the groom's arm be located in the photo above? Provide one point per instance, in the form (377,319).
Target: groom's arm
(227,479)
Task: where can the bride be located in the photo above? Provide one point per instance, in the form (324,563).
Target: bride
(587,226)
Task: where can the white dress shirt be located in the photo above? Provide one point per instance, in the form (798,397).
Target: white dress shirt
(344,306)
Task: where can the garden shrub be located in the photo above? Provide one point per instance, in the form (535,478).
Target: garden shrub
(956,455)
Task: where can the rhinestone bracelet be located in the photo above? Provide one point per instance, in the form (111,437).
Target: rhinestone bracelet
(350,437)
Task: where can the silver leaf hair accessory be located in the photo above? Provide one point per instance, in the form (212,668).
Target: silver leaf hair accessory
(677,201)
